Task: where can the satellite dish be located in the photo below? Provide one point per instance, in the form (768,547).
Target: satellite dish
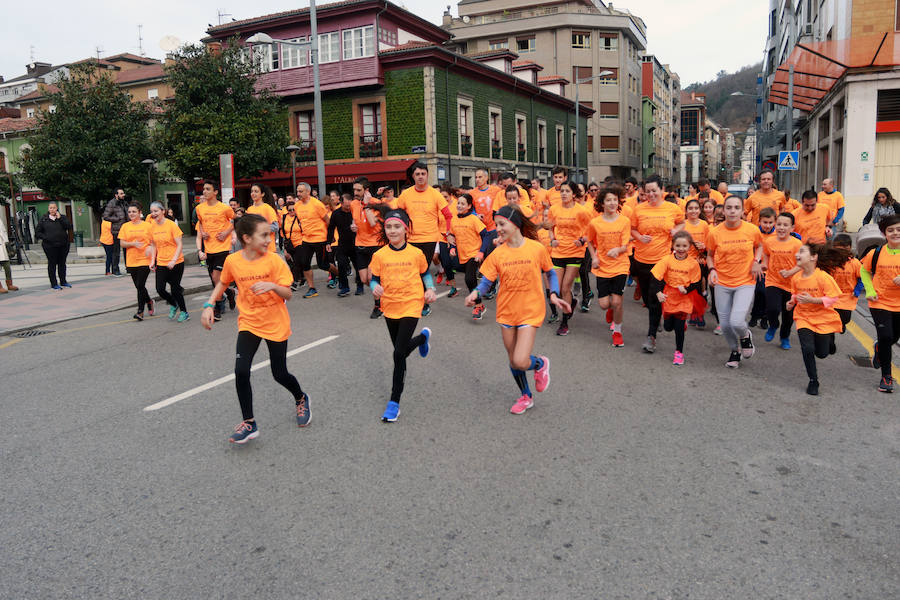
(466,19)
(170,43)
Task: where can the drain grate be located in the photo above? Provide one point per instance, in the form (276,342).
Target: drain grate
(861,360)
(32,333)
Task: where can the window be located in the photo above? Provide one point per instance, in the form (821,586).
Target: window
(498,45)
(370,130)
(609,143)
(359,42)
(574,139)
(387,36)
(152,93)
(581,73)
(495,127)
(465,127)
(521,137)
(51,108)
(263,56)
(306,127)
(524,45)
(542,141)
(2,162)
(689,122)
(609,79)
(29,112)
(608,41)
(329,47)
(292,56)
(590,143)
(581,39)
(560,146)
(608,110)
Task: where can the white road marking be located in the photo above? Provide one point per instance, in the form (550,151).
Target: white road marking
(227,378)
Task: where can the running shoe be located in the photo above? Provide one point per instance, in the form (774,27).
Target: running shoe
(630,281)
(55,287)
(303,411)
(151,307)
(376,312)
(232,302)
(244,432)
(747,349)
(343,292)
(311,293)
(876,363)
(522,404)
(764,323)
(453,293)
(359,290)
(554,316)
(637,294)
(617,340)
(649,346)
(753,322)
(478,312)
(426,310)
(217,314)
(67,285)
(718,330)
(439,279)
(425,347)
(562,330)
(577,289)
(609,315)
(612,326)
(332,283)
(701,323)
(118,274)
(886,385)
(770,333)
(542,375)
(812,388)
(138,316)
(734,360)
(183,316)
(785,344)
(295,286)
(678,359)
(490,295)
(589,294)
(391,412)
(173,310)
(585,304)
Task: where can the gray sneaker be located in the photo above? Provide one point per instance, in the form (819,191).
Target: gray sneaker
(650,345)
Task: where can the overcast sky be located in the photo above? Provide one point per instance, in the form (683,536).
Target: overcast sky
(698,38)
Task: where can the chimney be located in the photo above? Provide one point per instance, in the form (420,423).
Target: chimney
(448,18)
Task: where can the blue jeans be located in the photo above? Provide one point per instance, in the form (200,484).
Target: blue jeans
(109,249)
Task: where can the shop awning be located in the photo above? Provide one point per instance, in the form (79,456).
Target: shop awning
(819,65)
(384,170)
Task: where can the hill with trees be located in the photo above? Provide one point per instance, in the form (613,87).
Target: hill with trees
(736,113)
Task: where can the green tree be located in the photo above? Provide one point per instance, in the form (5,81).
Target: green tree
(219,110)
(94,141)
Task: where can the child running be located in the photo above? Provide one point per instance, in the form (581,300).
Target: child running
(518,264)
(264,284)
(399,271)
(608,235)
(469,242)
(674,278)
(699,229)
(814,292)
(848,279)
(881,277)
(567,242)
(780,265)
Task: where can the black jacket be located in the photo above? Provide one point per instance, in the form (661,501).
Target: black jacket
(341,221)
(53,232)
(116,213)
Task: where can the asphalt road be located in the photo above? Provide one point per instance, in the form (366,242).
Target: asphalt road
(630,478)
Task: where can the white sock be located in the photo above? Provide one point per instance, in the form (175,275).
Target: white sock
(617,327)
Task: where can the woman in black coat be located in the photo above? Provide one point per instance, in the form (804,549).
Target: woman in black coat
(53,232)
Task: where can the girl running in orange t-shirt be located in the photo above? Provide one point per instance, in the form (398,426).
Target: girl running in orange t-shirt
(674,278)
(469,242)
(848,279)
(517,263)
(264,284)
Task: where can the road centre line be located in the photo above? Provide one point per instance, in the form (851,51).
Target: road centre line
(227,378)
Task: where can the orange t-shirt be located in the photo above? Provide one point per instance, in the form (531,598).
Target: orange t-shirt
(292,229)
(811,225)
(543,236)
(657,222)
(311,215)
(520,299)
(263,315)
(846,278)
(367,236)
(698,233)
(165,238)
(424,210)
(483,201)
(553,197)
(816,317)
(834,200)
(733,251)
(134,232)
(569,224)
(400,272)
(467,231)
(883,281)
(604,236)
(538,197)
(215,219)
(782,255)
(790,205)
(676,273)
(106,237)
(268,213)
(524,200)
(631,201)
(759,200)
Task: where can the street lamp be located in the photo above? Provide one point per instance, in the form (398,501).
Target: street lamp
(149,162)
(577,148)
(293,150)
(313,46)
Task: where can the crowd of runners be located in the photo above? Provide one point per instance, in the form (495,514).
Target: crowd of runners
(767,261)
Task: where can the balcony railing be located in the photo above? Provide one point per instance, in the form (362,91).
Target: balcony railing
(520,148)
(496,150)
(465,145)
(370,146)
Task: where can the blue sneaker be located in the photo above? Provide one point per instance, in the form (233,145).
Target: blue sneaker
(244,432)
(311,293)
(391,412)
(425,346)
(173,310)
(770,333)
(303,412)
(55,287)
(183,317)
(359,290)
(426,310)
(343,292)
(785,344)
(68,285)
(332,283)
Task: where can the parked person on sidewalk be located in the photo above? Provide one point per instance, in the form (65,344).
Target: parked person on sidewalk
(53,232)
(4,259)
(134,236)
(168,261)
(115,213)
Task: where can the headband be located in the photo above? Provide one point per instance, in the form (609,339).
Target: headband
(399,215)
(511,214)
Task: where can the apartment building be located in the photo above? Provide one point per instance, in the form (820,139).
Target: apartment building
(661,95)
(577,40)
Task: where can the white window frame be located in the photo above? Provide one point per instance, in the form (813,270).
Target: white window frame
(522,119)
(358,42)
(611,47)
(29,113)
(495,132)
(312,126)
(498,44)
(542,139)
(51,108)
(376,126)
(532,44)
(585,40)
(152,93)
(470,112)
(560,137)
(331,41)
(293,57)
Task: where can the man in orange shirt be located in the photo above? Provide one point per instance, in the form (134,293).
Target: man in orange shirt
(214,227)
(811,219)
(723,191)
(559,176)
(704,186)
(538,195)
(765,197)
(507,179)
(314,221)
(833,199)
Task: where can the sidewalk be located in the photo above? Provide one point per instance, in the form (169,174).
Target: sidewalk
(92,293)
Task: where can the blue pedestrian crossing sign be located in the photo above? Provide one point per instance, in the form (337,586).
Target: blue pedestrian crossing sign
(788,160)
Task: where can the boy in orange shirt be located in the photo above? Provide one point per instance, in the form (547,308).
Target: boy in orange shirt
(780,264)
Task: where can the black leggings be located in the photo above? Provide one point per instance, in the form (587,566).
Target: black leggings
(345,257)
(447,261)
(760,302)
(172,277)
(815,345)
(887,326)
(401,331)
(297,263)
(846,317)
(776,299)
(139,277)
(641,272)
(56,263)
(672,323)
(584,273)
(247,344)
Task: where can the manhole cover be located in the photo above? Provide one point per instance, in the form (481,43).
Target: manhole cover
(861,360)
(32,333)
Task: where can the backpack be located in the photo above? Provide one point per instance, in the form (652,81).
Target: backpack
(875,254)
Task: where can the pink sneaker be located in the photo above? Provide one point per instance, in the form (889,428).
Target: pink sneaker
(542,375)
(678,359)
(521,405)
